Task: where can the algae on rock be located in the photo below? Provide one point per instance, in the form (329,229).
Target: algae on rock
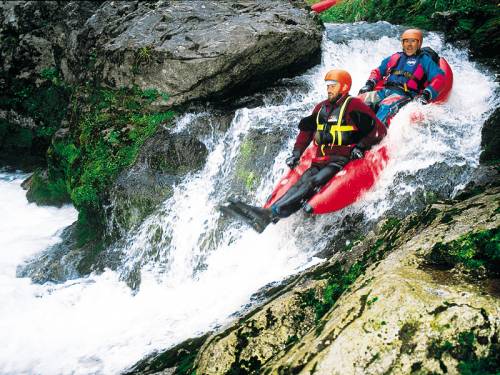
(404,314)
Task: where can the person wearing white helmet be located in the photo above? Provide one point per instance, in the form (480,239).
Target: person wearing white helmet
(407,75)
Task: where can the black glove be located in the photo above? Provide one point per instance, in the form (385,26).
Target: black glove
(293,160)
(424,98)
(369,86)
(357,153)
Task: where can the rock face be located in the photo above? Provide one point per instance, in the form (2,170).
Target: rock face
(408,313)
(490,139)
(36,41)
(187,50)
(163,160)
(199,49)
(38,35)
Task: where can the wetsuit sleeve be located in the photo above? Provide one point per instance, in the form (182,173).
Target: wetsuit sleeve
(308,123)
(435,76)
(307,127)
(370,129)
(303,140)
(378,73)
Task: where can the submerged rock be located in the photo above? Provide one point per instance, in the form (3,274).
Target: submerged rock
(164,159)
(404,314)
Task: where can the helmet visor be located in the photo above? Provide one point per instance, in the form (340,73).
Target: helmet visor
(331,82)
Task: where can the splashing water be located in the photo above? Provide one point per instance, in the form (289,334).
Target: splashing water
(197,268)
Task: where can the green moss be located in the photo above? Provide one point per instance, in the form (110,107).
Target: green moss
(44,104)
(47,193)
(339,279)
(109,130)
(338,282)
(243,171)
(180,358)
(462,348)
(473,250)
(390,224)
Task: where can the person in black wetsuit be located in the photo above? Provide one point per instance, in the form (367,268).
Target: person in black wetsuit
(343,128)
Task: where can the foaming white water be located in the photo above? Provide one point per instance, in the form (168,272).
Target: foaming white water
(25,228)
(197,268)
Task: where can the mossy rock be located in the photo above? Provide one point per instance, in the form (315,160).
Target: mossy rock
(490,140)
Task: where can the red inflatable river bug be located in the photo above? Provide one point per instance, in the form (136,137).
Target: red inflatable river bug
(357,177)
(323,5)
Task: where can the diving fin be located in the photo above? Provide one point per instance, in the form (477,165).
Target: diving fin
(256,217)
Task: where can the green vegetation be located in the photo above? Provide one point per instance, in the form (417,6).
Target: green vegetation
(42,192)
(477,21)
(179,359)
(339,279)
(111,127)
(243,171)
(44,105)
(462,348)
(107,130)
(474,250)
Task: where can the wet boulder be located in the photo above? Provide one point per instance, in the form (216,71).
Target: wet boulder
(163,160)
(415,296)
(490,139)
(194,50)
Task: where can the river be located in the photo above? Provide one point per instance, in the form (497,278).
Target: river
(198,269)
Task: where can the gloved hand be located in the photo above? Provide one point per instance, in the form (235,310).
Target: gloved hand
(424,98)
(356,153)
(293,160)
(369,86)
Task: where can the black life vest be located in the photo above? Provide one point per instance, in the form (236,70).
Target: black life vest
(333,124)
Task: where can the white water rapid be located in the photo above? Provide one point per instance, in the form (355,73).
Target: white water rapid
(196,268)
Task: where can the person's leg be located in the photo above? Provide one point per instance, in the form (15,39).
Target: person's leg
(372,98)
(313,179)
(259,218)
(390,105)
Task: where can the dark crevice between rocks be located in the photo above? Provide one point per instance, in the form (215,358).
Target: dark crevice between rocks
(178,360)
(406,334)
(245,366)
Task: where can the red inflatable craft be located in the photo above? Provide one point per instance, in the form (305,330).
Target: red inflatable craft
(357,177)
(323,5)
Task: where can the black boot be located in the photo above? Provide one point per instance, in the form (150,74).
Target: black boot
(258,218)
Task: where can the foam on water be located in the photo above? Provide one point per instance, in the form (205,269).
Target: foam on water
(196,269)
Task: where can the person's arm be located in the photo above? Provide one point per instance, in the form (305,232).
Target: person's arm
(307,127)
(371,129)
(376,75)
(435,77)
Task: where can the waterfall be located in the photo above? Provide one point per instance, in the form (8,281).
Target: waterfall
(197,268)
